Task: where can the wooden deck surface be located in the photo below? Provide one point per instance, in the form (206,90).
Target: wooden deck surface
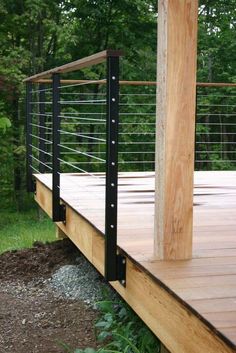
(207,283)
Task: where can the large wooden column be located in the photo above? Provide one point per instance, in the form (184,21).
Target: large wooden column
(176,94)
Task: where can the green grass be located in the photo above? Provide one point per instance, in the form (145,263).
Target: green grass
(21,229)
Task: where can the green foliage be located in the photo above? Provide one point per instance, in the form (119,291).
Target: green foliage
(4,124)
(39,34)
(122,331)
(119,330)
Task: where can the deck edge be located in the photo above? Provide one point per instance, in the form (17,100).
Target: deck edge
(211,329)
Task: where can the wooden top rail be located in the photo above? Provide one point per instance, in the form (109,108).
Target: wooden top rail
(132,83)
(76,65)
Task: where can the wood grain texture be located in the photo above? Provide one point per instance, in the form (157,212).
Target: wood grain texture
(76,65)
(205,286)
(176,96)
(136,83)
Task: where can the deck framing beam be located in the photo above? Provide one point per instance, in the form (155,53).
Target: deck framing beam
(178,328)
(176,95)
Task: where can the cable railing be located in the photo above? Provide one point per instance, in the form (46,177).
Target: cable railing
(101,127)
(72,126)
(215,146)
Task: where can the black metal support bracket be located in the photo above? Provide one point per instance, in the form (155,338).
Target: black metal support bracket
(42,130)
(114,263)
(58,210)
(30,183)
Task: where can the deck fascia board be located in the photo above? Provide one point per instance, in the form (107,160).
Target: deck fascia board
(179,327)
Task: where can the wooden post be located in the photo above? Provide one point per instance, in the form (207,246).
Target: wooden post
(176,94)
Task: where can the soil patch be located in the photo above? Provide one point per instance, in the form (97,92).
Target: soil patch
(34,319)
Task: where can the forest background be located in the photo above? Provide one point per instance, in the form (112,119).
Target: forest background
(36,35)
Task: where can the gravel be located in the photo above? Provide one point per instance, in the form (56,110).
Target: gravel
(74,282)
(80,281)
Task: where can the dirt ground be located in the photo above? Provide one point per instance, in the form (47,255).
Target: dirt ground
(32,318)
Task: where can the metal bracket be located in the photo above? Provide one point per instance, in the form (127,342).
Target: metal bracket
(34,186)
(121,269)
(63,213)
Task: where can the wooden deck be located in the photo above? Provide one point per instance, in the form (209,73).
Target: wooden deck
(190,305)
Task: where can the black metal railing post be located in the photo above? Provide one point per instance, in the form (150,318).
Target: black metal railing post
(58,210)
(42,130)
(114,263)
(29,172)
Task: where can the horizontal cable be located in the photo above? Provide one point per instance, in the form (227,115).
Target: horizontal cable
(82,113)
(40,138)
(77,123)
(124,133)
(146,114)
(216,114)
(137,94)
(41,90)
(84,143)
(199,95)
(216,105)
(136,133)
(81,84)
(215,142)
(35,169)
(103,152)
(78,103)
(134,123)
(216,152)
(39,149)
(41,114)
(83,93)
(217,124)
(36,159)
(137,104)
(80,118)
(83,153)
(36,102)
(88,101)
(215,133)
(134,162)
(43,127)
(215,160)
(137,143)
(80,135)
(78,168)
(88,162)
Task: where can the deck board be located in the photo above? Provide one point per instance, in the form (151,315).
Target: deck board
(207,283)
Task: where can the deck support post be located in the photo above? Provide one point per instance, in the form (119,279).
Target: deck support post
(115,264)
(29,151)
(176,94)
(58,210)
(42,130)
